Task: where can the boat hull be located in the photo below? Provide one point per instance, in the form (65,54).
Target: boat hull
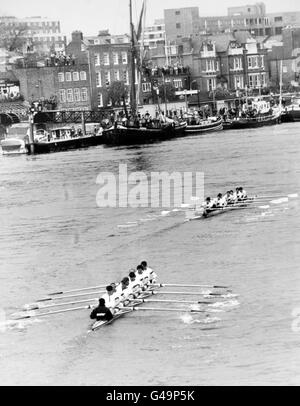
(99,324)
(205,127)
(241,123)
(217,212)
(291,116)
(131,135)
(64,145)
(13,147)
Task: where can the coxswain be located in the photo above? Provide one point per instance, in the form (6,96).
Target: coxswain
(151,274)
(101,313)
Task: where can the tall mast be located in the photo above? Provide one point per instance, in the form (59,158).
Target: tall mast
(132,92)
(281,83)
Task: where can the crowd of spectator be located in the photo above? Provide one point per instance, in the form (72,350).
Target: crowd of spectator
(60,59)
(170,70)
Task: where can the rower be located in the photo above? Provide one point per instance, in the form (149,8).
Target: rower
(134,285)
(243,193)
(221,201)
(124,291)
(111,297)
(101,313)
(208,203)
(235,195)
(141,277)
(227,197)
(152,275)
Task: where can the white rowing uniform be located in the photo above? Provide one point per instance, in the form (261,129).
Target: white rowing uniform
(141,279)
(135,287)
(208,205)
(214,203)
(222,202)
(111,301)
(152,275)
(244,194)
(235,197)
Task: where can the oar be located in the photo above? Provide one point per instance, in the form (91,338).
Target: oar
(213,295)
(77,290)
(290,196)
(31,316)
(48,299)
(171,301)
(162,309)
(36,306)
(165,285)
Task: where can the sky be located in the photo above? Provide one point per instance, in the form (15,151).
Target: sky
(91,16)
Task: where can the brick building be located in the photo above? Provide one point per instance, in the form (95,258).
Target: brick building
(68,86)
(108,61)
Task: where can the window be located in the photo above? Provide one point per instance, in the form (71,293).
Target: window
(146,87)
(238,82)
(178,83)
(84,94)
(124,58)
(61,77)
(277,19)
(68,77)
(252,62)
(125,77)
(237,63)
(178,26)
(98,79)
(70,98)
(62,95)
(278,30)
(107,78)
(97,59)
(75,76)
(100,99)
(116,75)
(257,80)
(106,58)
(83,75)
(177,13)
(116,58)
(209,65)
(211,84)
(77,95)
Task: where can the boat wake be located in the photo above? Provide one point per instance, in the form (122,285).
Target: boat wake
(17,325)
(225,305)
(190,320)
(150,218)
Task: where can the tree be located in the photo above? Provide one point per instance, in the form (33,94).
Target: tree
(167,91)
(117,93)
(13,38)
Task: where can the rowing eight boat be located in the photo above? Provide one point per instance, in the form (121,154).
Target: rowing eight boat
(204,214)
(133,303)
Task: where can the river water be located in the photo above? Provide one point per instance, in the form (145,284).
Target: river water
(53,236)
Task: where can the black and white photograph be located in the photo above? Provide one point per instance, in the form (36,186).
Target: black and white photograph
(149,195)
